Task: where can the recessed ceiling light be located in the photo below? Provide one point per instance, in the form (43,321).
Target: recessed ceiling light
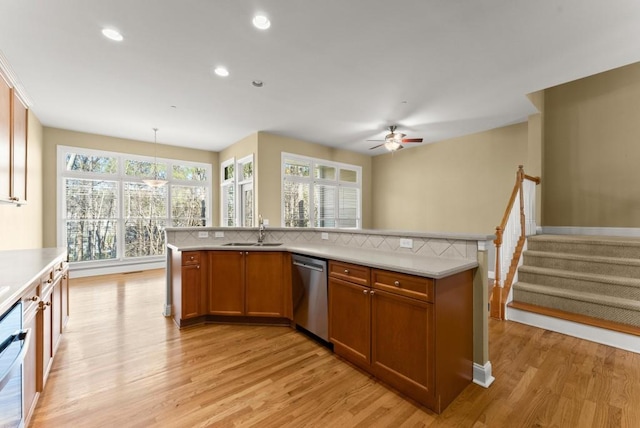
(257,83)
(261,22)
(221,71)
(112,34)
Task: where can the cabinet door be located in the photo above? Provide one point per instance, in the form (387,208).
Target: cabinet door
(350,321)
(64,292)
(45,350)
(5,140)
(402,340)
(226,282)
(191,291)
(56,315)
(30,360)
(264,284)
(19,150)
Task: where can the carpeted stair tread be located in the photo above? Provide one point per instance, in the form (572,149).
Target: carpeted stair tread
(612,246)
(611,301)
(585,258)
(583,276)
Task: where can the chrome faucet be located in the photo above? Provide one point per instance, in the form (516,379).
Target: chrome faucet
(260,229)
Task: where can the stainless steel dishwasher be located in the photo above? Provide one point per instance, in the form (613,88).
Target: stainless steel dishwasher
(310,310)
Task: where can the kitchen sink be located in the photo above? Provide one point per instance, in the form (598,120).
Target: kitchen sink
(252,244)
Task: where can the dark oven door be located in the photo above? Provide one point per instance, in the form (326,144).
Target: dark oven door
(13,347)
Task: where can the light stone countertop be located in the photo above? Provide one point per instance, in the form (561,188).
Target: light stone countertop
(20,268)
(432,267)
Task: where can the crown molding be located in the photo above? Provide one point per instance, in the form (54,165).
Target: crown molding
(7,73)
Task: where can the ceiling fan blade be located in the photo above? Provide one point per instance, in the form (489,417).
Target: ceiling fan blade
(412,140)
(375,147)
(374,140)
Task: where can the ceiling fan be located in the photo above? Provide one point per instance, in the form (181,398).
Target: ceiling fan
(393,140)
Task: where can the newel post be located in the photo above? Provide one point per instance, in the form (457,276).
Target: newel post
(496,292)
(523,229)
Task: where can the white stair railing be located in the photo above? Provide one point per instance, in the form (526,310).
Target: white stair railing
(518,222)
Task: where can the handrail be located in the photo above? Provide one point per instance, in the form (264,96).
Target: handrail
(514,223)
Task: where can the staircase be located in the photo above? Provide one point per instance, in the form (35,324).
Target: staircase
(591,280)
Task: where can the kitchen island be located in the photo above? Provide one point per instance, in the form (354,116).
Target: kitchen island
(404,316)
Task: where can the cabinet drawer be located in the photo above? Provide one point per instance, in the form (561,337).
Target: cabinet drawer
(190,258)
(349,272)
(58,268)
(46,282)
(416,287)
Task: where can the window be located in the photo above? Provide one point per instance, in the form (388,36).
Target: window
(319,193)
(236,178)
(108,213)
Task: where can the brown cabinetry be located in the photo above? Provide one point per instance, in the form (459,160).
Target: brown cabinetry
(414,333)
(246,283)
(13,145)
(189,287)
(350,312)
(29,310)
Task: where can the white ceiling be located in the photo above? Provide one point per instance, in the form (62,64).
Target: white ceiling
(335,72)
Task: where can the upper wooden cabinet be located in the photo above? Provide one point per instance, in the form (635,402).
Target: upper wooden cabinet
(5,140)
(19,149)
(13,145)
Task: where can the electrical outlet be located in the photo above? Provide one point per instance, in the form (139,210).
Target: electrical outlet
(204,234)
(406,243)
(219,235)
(324,235)
(265,221)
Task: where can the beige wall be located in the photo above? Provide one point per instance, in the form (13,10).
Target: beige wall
(21,227)
(459,185)
(270,148)
(591,151)
(54,137)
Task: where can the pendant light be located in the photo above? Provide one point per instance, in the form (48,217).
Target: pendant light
(155,181)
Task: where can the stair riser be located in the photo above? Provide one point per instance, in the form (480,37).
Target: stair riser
(605,288)
(602,268)
(587,249)
(621,315)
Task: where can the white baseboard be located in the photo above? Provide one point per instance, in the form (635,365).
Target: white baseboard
(81,272)
(594,231)
(482,374)
(616,339)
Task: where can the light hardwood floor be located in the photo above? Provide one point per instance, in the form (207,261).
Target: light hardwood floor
(122,364)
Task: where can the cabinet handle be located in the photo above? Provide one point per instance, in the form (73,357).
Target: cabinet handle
(365,291)
(198,267)
(43,305)
(372,292)
(191,257)
(397,283)
(64,276)
(33,299)
(346,271)
(49,281)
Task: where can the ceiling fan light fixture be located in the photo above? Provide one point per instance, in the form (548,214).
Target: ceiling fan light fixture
(391,145)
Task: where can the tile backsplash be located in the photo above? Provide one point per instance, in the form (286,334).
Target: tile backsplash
(453,247)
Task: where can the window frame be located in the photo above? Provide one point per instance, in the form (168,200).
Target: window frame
(120,177)
(314,182)
(237,183)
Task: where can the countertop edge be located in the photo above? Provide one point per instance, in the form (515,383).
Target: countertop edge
(18,288)
(451,266)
